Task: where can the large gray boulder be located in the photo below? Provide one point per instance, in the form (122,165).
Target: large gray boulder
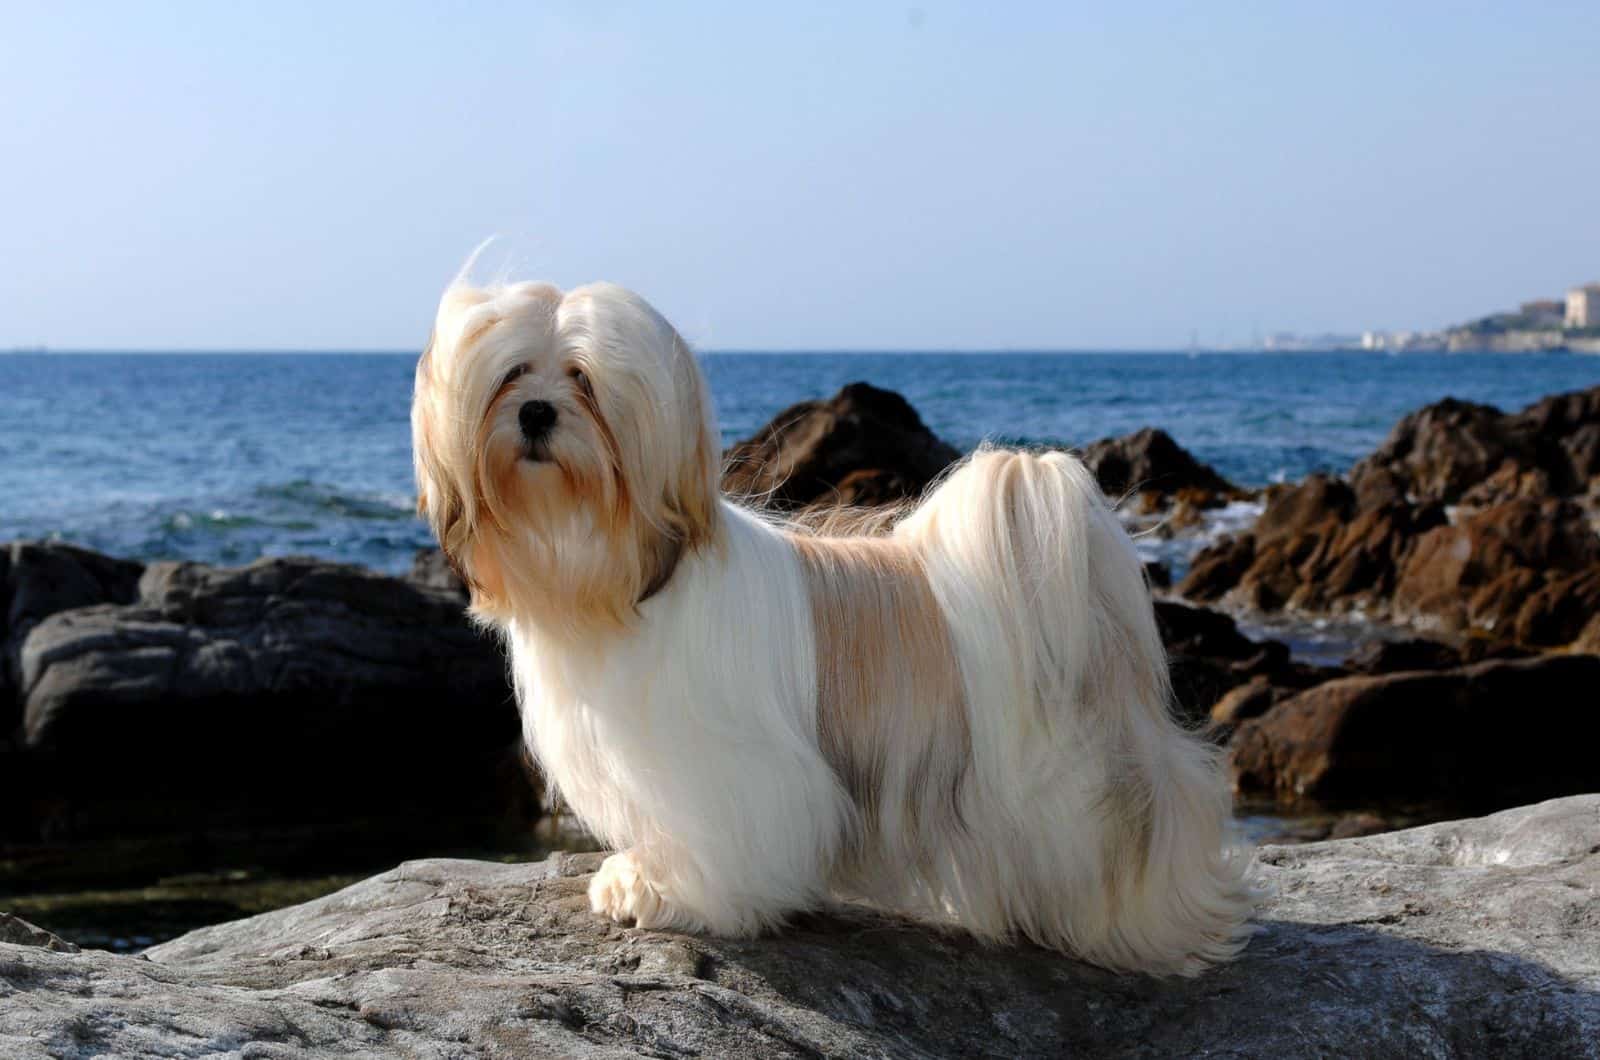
(1474,938)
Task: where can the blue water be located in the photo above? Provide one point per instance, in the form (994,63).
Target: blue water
(229,457)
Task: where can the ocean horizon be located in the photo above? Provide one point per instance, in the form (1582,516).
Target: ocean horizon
(228,456)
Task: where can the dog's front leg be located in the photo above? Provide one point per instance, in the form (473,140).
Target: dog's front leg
(627,888)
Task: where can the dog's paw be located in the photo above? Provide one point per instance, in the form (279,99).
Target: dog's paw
(621,891)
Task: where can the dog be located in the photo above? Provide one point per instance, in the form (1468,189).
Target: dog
(965,717)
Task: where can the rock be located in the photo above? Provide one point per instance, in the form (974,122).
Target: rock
(1563,432)
(1250,700)
(19,932)
(861,446)
(277,688)
(1441,450)
(38,579)
(1482,736)
(1151,464)
(1393,656)
(867,447)
(1352,825)
(1454,451)
(1200,631)
(1312,549)
(431,570)
(1526,568)
(1209,659)
(1589,640)
(1472,938)
(1519,558)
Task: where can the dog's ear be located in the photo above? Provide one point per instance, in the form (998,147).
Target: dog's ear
(439,499)
(689,506)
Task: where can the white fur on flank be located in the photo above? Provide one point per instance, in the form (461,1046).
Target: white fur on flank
(966,717)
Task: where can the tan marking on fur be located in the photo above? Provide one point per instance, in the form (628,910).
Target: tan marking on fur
(891,711)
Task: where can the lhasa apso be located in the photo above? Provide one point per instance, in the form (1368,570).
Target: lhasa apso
(965,717)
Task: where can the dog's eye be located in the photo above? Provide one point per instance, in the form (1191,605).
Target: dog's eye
(577,376)
(512,376)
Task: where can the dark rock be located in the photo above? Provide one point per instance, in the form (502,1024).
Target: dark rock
(1394,656)
(1200,631)
(430,569)
(861,446)
(1149,462)
(1472,938)
(38,579)
(1159,575)
(1209,659)
(278,688)
(1488,735)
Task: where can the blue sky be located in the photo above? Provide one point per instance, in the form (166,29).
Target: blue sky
(307,176)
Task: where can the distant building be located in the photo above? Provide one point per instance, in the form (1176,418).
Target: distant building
(1543,313)
(1583,306)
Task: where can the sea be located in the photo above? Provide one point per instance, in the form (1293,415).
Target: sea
(225,458)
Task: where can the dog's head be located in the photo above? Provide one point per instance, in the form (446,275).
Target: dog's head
(564,451)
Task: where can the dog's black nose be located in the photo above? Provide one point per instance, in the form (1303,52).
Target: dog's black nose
(536,417)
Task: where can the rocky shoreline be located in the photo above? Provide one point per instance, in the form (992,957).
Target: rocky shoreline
(175,698)
(1471,938)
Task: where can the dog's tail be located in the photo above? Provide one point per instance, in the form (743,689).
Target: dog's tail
(1106,825)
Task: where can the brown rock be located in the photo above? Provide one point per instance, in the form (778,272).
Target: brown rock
(1486,735)
(863,445)
(1454,451)
(1442,450)
(1491,564)
(1589,640)
(1250,700)
(1397,656)
(1312,549)
(1150,462)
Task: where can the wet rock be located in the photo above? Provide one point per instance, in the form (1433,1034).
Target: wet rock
(1524,568)
(864,445)
(1210,659)
(1313,549)
(1454,451)
(277,688)
(1517,558)
(1250,700)
(1483,736)
(431,570)
(1472,938)
(1394,656)
(1441,450)
(1149,463)
(38,579)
